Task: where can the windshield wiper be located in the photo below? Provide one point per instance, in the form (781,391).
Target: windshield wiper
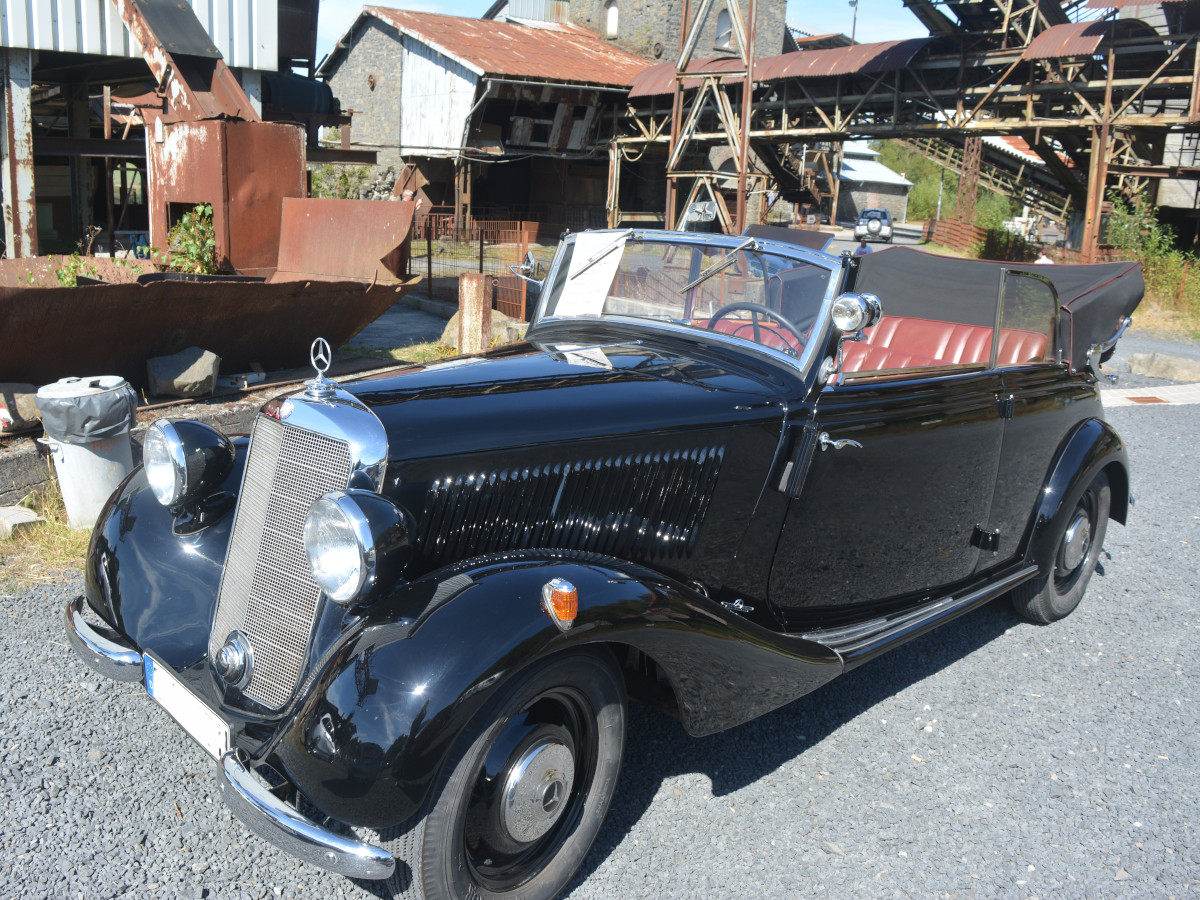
(617,242)
(720,265)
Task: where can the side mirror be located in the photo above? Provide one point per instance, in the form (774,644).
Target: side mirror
(527,269)
(854,312)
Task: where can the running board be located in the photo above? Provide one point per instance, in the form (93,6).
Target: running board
(855,644)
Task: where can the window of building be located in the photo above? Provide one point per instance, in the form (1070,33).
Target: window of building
(724,39)
(610,18)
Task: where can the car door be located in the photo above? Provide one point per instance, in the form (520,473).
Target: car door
(895,520)
(1040,403)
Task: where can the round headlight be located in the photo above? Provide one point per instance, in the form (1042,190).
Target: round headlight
(164,461)
(185,460)
(340,548)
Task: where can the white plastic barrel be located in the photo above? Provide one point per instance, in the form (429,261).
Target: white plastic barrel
(88,471)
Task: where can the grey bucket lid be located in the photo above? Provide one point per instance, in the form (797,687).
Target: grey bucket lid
(82,410)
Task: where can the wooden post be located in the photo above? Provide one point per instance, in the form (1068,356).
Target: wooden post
(474,312)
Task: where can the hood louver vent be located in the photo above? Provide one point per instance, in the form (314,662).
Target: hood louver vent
(643,506)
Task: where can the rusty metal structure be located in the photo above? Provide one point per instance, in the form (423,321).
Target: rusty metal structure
(90,80)
(968,182)
(1093,93)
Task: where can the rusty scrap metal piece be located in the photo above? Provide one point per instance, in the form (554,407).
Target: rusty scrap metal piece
(244,169)
(113,328)
(188,68)
(363,239)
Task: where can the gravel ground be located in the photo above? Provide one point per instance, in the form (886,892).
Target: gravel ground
(992,758)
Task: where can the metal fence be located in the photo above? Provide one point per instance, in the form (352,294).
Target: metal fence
(441,250)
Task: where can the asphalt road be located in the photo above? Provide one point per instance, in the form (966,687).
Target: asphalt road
(991,758)
(905,236)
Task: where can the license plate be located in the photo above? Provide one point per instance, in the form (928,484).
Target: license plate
(185,707)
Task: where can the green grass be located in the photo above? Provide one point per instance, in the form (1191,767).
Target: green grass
(44,552)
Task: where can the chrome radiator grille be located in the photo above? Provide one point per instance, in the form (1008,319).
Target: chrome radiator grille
(267,591)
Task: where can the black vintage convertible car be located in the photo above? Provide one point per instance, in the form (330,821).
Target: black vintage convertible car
(404,615)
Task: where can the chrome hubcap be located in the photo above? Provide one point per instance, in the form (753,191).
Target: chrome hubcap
(1076,542)
(536,790)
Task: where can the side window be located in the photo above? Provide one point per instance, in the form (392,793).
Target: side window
(1027,320)
(611,16)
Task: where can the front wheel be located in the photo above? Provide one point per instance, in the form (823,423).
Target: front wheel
(526,788)
(1053,596)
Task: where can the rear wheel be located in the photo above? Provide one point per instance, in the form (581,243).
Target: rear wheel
(525,790)
(1055,595)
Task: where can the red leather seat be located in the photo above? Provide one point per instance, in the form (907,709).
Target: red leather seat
(950,343)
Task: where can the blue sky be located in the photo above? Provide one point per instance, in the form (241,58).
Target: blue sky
(878,20)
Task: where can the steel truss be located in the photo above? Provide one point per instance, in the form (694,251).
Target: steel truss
(1096,106)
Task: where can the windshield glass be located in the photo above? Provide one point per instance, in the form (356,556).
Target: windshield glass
(730,288)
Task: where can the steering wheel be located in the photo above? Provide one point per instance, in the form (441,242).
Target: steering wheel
(756,309)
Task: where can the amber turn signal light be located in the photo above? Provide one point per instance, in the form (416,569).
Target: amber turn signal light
(561,602)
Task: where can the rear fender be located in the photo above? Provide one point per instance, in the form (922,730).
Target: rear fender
(1091,448)
(372,735)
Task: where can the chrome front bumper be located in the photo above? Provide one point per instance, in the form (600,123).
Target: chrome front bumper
(248,799)
(107,654)
(269,817)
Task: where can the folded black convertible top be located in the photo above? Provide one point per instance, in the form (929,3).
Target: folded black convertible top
(1093,299)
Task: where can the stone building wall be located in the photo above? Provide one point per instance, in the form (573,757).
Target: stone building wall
(854,198)
(366,79)
(651,28)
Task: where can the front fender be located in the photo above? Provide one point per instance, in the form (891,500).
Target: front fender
(1092,447)
(371,737)
(152,575)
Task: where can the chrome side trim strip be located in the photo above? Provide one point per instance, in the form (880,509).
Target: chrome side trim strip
(270,818)
(111,658)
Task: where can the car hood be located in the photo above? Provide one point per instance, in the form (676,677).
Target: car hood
(536,394)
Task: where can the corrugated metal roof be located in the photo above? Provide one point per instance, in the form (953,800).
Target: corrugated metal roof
(1121,4)
(660,78)
(869,171)
(547,52)
(1073,39)
(860,58)
(1014,146)
(865,59)
(245,31)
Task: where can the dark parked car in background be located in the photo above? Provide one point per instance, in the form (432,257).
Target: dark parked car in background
(404,615)
(874,225)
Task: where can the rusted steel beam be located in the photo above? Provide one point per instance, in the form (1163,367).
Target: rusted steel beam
(20,208)
(1097,181)
(45,145)
(189,70)
(747,106)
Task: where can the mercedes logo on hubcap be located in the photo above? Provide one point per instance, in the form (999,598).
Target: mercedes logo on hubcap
(552,796)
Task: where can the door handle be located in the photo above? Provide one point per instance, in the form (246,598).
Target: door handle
(827,442)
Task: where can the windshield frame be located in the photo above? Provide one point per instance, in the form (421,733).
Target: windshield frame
(796,365)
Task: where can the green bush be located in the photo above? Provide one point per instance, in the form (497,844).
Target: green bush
(193,243)
(1172,276)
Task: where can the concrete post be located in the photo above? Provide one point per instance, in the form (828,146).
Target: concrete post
(474,312)
(16,153)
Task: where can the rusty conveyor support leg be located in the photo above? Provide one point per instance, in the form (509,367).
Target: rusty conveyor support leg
(20,208)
